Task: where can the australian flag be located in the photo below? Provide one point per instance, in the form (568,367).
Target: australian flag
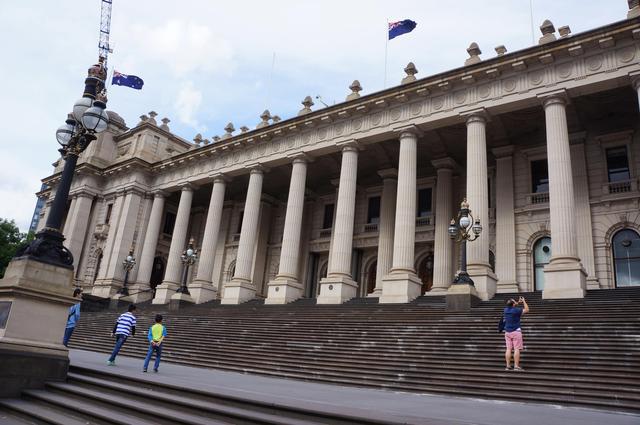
(400,27)
(126,80)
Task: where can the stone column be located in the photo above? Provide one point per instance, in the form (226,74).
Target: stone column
(286,287)
(140,291)
(478,197)
(505,221)
(77,222)
(402,284)
(443,246)
(173,273)
(241,288)
(564,275)
(386,227)
(201,288)
(339,286)
(635,82)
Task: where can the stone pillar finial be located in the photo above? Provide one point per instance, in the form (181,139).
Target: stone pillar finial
(307,102)
(205,142)
(501,50)
(165,124)
(411,72)
(143,118)
(276,119)
(564,31)
(547,29)
(474,54)
(216,138)
(265,117)
(198,139)
(355,89)
(229,128)
(244,129)
(634,9)
(152,117)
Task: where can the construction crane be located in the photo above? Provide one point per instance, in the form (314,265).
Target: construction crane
(105,28)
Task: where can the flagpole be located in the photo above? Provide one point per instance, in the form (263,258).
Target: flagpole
(386,47)
(533,38)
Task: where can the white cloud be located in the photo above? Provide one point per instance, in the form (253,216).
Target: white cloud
(188,103)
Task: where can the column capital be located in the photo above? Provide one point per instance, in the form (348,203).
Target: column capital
(444,163)
(388,174)
(187,187)
(503,151)
(159,193)
(300,157)
(219,178)
(479,115)
(350,146)
(257,169)
(408,130)
(556,97)
(635,79)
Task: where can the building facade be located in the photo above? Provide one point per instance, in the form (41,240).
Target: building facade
(355,199)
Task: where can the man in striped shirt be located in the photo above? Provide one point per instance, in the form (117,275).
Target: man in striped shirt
(125,326)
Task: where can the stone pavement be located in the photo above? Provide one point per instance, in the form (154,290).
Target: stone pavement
(409,408)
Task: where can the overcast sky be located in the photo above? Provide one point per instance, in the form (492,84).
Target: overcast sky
(206,63)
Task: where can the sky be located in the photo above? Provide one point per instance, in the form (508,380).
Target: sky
(208,62)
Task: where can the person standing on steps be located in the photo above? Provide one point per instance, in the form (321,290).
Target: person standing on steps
(513,332)
(156,336)
(125,326)
(72,319)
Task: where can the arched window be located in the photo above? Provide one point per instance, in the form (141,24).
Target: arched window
(626,258)
(541,256)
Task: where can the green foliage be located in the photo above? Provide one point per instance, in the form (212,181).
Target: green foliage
(10,241)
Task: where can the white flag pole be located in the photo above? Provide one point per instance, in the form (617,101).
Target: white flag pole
(386,47)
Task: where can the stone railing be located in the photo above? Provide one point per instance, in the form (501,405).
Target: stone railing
(538,198)
(235,237)
(623,186)
(425,221)
(370,227)
(324,233)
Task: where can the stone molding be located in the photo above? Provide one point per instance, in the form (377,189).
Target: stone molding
(446,162)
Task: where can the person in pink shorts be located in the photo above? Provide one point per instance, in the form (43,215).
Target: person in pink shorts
(513,332)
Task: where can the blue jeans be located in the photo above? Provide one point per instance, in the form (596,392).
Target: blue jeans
(120,340)
(67,336)
(158,350)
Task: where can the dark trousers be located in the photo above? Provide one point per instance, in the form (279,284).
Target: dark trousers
(158,350)
(120,340)
(67,336)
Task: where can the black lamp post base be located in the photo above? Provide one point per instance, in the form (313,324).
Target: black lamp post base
(47,248)
(463,278)
(124,291)
(183,290)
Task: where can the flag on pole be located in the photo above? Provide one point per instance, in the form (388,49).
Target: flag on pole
(132,81)
(400,27)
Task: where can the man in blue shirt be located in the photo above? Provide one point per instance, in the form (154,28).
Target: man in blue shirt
(512,331)
(72,319)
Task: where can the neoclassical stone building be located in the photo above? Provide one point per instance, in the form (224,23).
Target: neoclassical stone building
(355,199)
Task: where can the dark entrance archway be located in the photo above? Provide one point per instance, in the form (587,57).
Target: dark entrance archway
(371,277)
(157,274)
(425,272)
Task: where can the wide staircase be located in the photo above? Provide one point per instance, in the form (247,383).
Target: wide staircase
(577,352)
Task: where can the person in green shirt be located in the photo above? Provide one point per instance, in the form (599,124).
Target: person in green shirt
(156,336)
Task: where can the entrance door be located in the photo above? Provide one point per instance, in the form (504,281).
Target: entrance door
(425,273)
(626,258)
(371,277)
(541,257)
(157,274)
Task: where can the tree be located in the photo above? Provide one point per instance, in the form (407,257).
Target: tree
(10,241)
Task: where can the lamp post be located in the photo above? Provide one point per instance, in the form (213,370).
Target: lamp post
(464,229)
(127,265)
(88,118)
(188,257)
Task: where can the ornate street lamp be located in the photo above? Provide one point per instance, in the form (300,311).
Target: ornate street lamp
(88,118)
(127,265)
(464,228)
(188,257)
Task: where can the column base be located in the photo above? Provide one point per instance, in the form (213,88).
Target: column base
(283,291)
(485,282)
(437,291)
(238,292)
(336,290)
(461,297)
(202,291)
(105,288)
(505,286)
(179,300)
(164,292)
(593,283)
(34,301)
(377,293)
(564,280)
(400,287)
